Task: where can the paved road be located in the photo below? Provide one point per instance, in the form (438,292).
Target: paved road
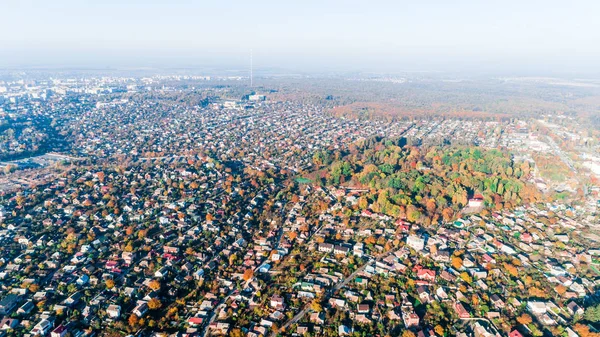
(561,154)
(214,313)
(330,292)
(482,319)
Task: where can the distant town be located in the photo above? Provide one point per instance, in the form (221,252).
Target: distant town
(201,206)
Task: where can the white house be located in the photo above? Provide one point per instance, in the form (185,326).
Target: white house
(415,242)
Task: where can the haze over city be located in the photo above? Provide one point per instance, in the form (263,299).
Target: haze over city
(521,37)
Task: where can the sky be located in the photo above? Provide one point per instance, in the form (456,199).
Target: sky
(326,35)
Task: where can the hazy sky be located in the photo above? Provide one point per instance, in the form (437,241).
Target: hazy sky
(553,36)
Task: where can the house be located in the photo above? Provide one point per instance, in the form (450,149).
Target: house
(8,304)
(363,309)
(340,250)
(60,331)
(277,302)
(219,327)
(476,201)
(536,307)
(497,301)
(73,300)
(481,331)
(415,242)
(571,333)
(337,303)
(461,311)
(26,308)
(141,308)
(317,318)
(426,274)
(8,323)
(423,294)
(195,321)
(362,319)
(113,311)
(574,309)
(344,330)
(42,328)
(442,256)
(325,247)
(488,259)
(162,272)
(392,315)
(82,280)
(302,329)
(128,257)
(447,276)
(410,319)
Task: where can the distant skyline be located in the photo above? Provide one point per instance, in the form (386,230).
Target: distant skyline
(521,37)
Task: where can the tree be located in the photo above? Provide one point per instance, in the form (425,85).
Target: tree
(512,270)
(431,206)
(154,284)
(154,304)
(592,313)
(447,213)
(232,259)
(584,330)
(316,306)
(236,332)
(133,320)
(524,319)
(456,262)
(34,288)
(363,203)
(408,333)
(439,330)
(466,277)
(20,200)
(248,273)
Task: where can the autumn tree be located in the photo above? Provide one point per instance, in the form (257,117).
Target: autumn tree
(447,214)
(457,262)
(248,273)
(316,306)
(511,269)
(133,320)
(524,319)
(466,277)
(154,304)
(236,332)
(154,285)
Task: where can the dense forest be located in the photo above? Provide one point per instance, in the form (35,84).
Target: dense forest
(422,183)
